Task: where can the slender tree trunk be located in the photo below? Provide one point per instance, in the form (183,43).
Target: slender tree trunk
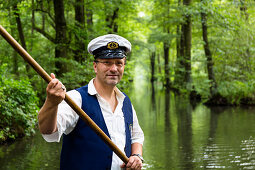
(208,54)
(21,34)
(114,23)
(178,42)
(187,47)
(33,15)
(111,21)
(159,63)
(19,27)
(243,9)
(167,70)
(178,48)
(89,19)
(80,24)
(89,24)
(14,56)
(61,40)
(166,46)
(183,67)
(180,63)
(15,59)
(152,58)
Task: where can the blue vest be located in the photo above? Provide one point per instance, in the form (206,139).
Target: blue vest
(83,149)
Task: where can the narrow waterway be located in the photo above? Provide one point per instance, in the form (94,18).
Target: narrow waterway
(178,135)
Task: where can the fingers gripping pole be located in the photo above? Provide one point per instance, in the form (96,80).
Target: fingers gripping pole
(68,100)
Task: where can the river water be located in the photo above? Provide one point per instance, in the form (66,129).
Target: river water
(178,135)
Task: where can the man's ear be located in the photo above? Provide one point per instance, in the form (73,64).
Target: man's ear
(95,66)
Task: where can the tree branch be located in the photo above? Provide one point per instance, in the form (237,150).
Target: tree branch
(48,13)
(45,34)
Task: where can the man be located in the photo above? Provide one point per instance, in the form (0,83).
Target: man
(110,109)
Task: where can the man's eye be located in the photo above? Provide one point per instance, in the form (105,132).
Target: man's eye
(108,63)
(119,63)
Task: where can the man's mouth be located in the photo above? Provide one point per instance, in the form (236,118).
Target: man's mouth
(112,76)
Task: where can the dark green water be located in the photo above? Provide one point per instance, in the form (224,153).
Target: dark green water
(178,135)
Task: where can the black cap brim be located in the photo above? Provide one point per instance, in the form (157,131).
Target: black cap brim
(111,54)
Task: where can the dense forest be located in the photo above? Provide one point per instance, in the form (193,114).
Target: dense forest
(203,49)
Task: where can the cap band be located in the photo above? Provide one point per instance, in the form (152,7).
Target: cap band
(106,52)
(109,54)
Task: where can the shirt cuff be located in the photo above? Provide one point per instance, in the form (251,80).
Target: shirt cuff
(54,137)
(138,140)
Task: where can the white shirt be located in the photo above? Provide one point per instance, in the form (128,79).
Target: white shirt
(67,120)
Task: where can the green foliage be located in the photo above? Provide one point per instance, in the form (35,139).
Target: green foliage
(127,79)
(238,92)
(18,107)
(79,74)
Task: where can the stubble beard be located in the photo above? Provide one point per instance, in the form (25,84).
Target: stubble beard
(113,81)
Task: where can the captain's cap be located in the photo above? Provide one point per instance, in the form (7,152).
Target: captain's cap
(109,46)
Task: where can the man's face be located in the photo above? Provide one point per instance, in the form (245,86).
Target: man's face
(109,71)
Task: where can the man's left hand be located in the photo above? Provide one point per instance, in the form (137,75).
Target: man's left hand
(134,163)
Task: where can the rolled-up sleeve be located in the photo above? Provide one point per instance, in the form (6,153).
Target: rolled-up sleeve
(66,118)
(137,133)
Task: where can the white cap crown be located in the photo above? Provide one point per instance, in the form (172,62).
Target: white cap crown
(104,40)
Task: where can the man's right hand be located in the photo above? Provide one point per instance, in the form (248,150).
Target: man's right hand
(47,117)
(55,91)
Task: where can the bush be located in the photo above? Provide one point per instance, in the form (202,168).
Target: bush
(238,92)
(18,108)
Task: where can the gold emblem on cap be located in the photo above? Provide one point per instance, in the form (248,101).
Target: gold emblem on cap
(112,45)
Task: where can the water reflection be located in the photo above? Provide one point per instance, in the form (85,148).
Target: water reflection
(29,154)
(184,119)
(189,136)
(208,158)
(167,110)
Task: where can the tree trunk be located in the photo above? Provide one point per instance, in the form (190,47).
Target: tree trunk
(152,58)
(178,39)
(60,39)
(166,47)
(178,48)
(159,63)
(89,19)
(80,24)
(208,54)
(111,21)
(166,57)
(114,23)
(15,59)
(14,56)
(21,35)
(187,47)
(180,63)
(243,9)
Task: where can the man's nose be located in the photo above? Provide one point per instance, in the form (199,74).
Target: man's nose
(113,67)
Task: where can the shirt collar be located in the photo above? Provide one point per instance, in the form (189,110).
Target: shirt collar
(92,90)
